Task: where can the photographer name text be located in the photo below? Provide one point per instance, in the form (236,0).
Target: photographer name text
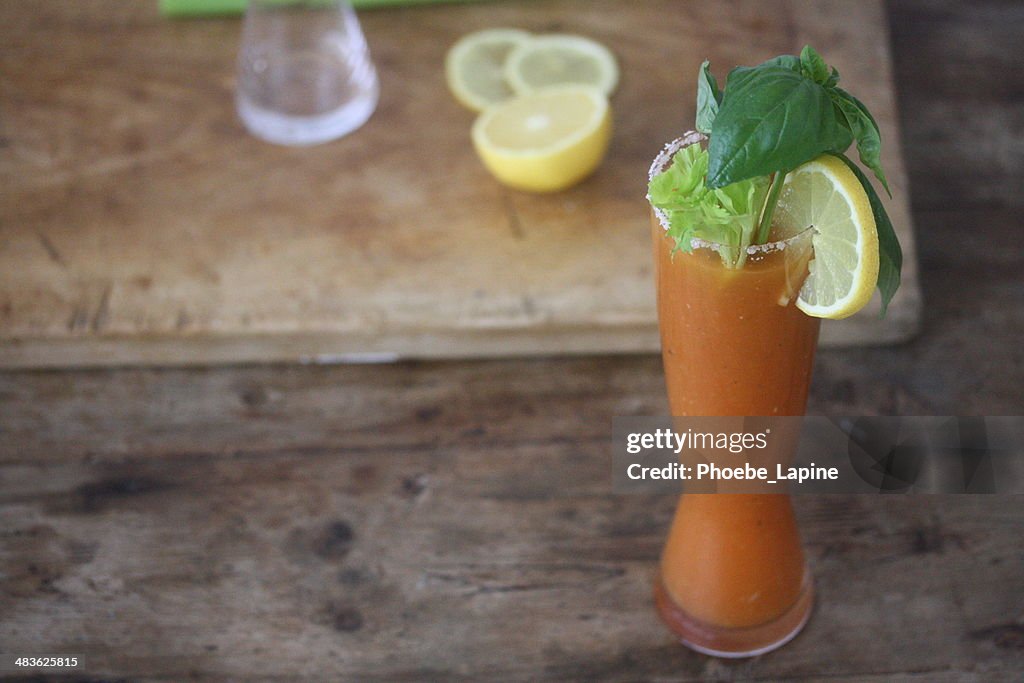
(712,472)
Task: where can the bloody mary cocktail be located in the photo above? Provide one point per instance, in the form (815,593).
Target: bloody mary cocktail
(733,578)
(762,226)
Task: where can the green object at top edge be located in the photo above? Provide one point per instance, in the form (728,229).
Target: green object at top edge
(204,8)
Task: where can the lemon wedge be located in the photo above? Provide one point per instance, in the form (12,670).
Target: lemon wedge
(560,59)
(547,141)
(474,66)
(826,195)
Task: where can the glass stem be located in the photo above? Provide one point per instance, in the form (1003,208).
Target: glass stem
(769,207)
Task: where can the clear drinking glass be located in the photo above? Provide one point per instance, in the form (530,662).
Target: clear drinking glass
(304,71)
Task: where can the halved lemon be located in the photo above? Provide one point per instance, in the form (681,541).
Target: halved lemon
(826,195)
(474,66)
(560,59)
(546,141)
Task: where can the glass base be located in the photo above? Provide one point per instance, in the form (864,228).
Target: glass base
(719,641)
(283,129)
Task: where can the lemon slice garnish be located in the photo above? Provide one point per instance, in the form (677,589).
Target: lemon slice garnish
(826,195)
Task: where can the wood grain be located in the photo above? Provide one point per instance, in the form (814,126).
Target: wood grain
(142,225)
(344,565)
(397,522)
(436,521)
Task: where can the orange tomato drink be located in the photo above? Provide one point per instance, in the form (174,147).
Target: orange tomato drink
(758,234)
(733,580)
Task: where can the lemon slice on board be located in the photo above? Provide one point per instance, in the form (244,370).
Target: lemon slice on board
(474,66)
(825,194)
(546,141)
(559,59)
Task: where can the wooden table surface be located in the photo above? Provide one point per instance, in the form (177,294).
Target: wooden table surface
(138,236)
(453,520)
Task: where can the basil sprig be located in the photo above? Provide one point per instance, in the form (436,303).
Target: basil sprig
(890,255)
(708,98)
(782,113)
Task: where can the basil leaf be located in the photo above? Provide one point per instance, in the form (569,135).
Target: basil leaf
(740,74)
(786,61)
(770,119)
(708,98)
(890,255)
(813,66)
(865,131)
(832,79)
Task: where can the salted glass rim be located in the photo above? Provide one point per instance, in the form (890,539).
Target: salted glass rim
(664,159)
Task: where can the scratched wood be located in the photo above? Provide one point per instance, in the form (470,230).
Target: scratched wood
(140,224)
(262,522)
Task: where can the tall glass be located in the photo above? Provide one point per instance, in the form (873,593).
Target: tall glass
(304,71)
(733,580)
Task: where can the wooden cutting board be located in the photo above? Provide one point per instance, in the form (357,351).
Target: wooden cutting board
(140,224)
